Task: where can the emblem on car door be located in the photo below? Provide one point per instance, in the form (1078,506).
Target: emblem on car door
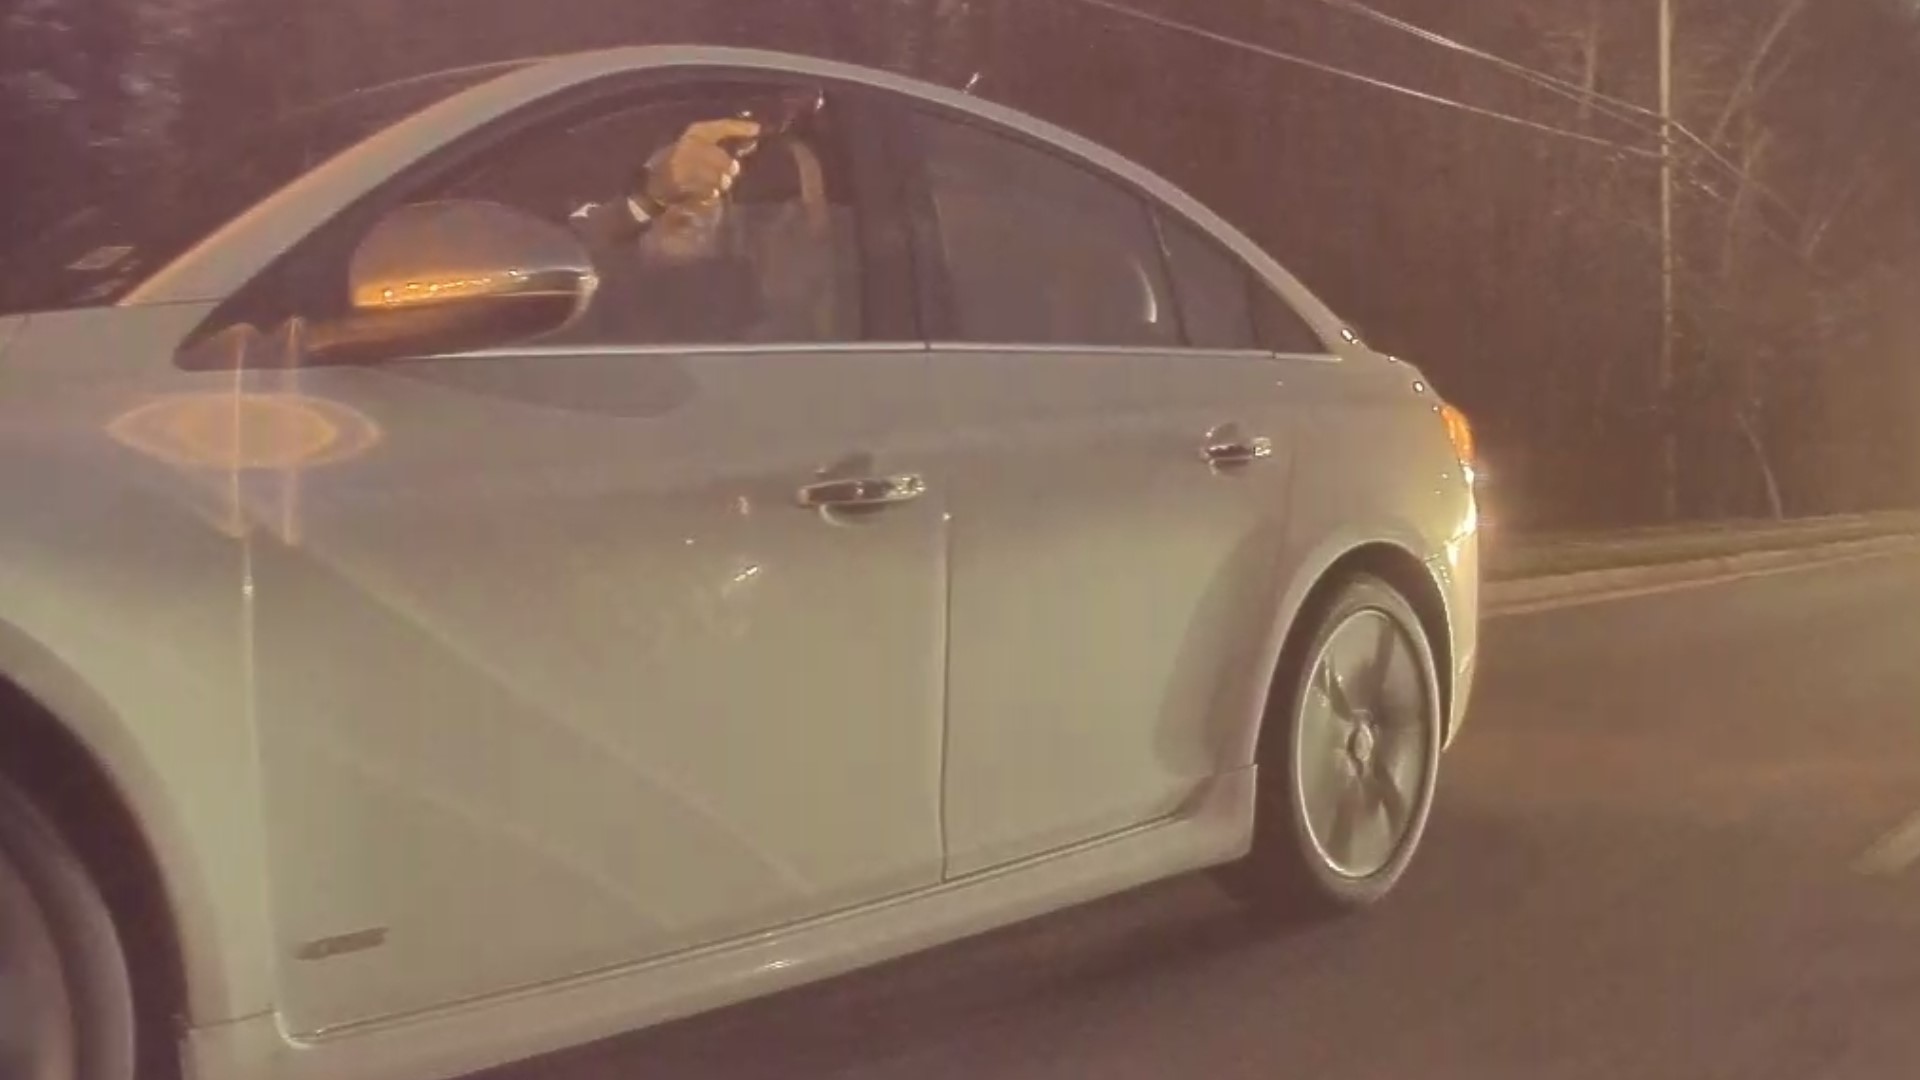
(340,944)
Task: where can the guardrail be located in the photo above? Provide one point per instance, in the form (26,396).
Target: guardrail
(1541,555)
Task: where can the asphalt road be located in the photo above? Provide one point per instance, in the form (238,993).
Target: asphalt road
(1646,863)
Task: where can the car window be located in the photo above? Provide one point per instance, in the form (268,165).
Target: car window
(777,260)
(1037,250)
(1281,328)
(1215,288)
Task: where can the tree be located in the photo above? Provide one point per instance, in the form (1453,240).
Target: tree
(63,104)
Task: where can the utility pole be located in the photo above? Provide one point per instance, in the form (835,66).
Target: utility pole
(1663,375)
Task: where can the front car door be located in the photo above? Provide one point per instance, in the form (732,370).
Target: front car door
(555,672)
(1120,484)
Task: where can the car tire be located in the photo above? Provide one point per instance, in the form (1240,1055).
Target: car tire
(1349,757)
(66,998)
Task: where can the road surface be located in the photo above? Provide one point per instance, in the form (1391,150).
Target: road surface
(1670,843)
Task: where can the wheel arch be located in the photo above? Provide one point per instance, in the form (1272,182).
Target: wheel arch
(58,773)
(61,743)
(1392,562)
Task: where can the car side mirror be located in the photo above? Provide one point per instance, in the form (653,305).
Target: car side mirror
(450,276)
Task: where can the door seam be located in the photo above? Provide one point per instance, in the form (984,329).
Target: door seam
(946,681)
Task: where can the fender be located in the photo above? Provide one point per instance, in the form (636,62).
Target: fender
(218,987)
(1320,558)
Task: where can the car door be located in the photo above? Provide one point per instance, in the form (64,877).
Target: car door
(580,657)
(1119,486)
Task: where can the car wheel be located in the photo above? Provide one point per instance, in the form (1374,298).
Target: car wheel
(1349,759)
(66,1002)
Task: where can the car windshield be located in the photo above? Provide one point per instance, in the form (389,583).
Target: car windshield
(97,253)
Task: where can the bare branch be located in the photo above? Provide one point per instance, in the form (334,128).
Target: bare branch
(1742,93)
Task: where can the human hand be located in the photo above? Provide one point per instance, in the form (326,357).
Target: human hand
(696,169)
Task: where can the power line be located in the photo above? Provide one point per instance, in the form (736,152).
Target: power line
(1619,108)
(1382,84)
(1126,11)
(1622,148)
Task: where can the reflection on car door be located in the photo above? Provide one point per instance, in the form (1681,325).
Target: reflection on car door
(560,673)
(1109,580)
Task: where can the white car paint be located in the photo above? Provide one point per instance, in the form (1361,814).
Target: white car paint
(591,727)
(1090,536)
(710,711)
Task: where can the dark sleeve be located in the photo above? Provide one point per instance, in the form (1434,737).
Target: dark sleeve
(605,225)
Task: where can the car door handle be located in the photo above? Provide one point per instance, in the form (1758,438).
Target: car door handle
(1236,451)
(862,493)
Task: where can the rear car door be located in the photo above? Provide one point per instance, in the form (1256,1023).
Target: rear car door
(563,667)
(1119,484)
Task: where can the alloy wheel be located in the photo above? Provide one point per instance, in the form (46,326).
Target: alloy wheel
(1365,737)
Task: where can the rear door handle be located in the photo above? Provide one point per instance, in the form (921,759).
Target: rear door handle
(862,493)
(1236,450)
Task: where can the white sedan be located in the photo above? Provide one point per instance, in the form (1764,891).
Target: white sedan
(431,639)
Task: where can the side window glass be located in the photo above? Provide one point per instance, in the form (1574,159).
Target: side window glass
(1281,328)
(774,260)
(1038,250)
(1216,299)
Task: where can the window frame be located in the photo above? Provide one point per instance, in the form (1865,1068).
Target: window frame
(1258,290)
(934,287)
(1250,280)
(315,265)
(939,315)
